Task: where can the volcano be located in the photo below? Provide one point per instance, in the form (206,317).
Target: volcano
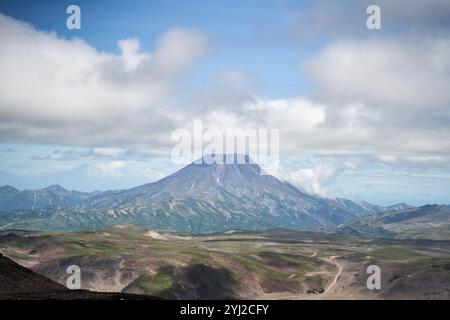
(208,197)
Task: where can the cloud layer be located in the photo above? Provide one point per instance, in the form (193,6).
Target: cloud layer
(373,96)
(53,90)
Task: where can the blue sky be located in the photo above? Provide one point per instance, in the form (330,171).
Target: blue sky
(362,114)
(244,32)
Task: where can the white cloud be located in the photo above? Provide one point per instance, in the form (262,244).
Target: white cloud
(130,53)
(384,97)
(108,152)
(318,177)
(177,49)
(54,90)
(378,97)
(227,90)
(300,114)
(314,180)
(400,73)
(107,169)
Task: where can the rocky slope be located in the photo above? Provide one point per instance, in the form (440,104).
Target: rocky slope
(18,283)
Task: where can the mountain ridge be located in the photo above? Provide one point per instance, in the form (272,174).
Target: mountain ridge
(428,221)
(201,197)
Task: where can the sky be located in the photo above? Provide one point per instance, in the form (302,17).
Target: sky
(362,114)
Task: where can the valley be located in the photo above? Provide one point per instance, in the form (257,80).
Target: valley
(275,264)
(214,231)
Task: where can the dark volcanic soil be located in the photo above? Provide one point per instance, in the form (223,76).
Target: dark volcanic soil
(20,283)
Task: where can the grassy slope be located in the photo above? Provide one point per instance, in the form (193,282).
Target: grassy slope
(241,264)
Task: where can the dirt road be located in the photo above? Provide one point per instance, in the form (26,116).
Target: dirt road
(336,277)
(304,296)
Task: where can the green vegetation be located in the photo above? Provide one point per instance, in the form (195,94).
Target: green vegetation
(235,264)
(394,253)
(316,281)
(152,284)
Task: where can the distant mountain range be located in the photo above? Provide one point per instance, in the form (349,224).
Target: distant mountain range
(426,222)
(198,198)
(83,177)
(52,197)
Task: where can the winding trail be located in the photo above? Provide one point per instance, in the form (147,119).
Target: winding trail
(336,277)
(330,260)
(303,296)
